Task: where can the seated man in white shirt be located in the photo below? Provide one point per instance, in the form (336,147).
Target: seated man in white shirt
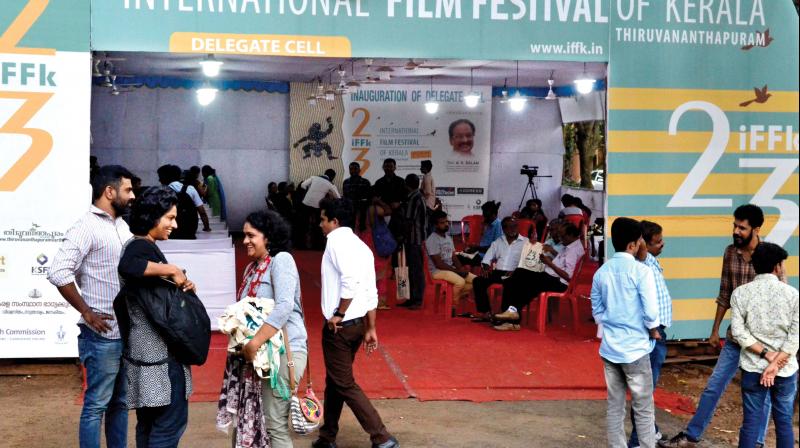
(442,261)
(524,285)
(500,261)
(318,188)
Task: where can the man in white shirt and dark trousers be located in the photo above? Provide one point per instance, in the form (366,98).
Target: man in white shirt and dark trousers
(85,272)
(764,321)
(349,301)
(500,261)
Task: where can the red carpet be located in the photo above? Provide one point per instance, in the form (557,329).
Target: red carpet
(424,356)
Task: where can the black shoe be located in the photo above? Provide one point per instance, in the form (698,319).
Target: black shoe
(679,441)
(391,443)
(406,304)
(320,443)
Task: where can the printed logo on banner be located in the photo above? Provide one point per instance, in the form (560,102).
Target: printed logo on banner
(61,335)
(41,269)
(35,294)
(3,268)
(445,191)
(23,74)
(34,234)
(470,191)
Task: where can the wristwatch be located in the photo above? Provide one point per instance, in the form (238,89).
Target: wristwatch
(336,313)
(763,353)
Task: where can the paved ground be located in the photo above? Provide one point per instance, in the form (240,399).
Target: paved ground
(41,411)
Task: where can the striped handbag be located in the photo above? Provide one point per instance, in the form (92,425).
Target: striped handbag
(305,413)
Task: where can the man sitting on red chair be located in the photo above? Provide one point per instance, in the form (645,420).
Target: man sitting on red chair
(500,261)
(442,262)
(524,285)
(492,230)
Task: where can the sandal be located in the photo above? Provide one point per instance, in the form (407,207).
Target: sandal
(467,315)
(482,318)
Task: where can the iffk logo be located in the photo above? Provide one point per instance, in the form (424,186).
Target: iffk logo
(61,334)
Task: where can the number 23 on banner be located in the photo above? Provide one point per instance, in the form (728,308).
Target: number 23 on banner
(361,140)
(41,140)
(783,168)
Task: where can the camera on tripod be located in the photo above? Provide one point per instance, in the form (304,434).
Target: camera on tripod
(529,171)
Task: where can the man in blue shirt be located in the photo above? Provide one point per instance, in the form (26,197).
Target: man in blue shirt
(624,303)
(652,233)
(492,230)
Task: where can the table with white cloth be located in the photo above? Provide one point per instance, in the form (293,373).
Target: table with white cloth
(210,262)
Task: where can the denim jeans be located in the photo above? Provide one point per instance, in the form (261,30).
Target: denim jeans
(106,390)
(163,426)
(657,357)
(754,396)
(726,368)
(638,378)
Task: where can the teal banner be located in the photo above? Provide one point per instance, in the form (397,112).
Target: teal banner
(58,24)
(703,117)
(567,30)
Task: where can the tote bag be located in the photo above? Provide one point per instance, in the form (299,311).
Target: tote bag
(401,277)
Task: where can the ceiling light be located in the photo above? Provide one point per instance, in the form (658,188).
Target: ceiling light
(206,95)
(210,66)
(517,102)
(550,94)
(584,84)
(472,98)
(384,72)
(330,94)
(431,106)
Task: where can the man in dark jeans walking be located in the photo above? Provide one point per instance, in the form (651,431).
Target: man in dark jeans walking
(415,221)
(349,301)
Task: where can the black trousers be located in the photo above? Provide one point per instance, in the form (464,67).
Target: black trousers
(416,272)
(524,285)
(480,287)
(339,350)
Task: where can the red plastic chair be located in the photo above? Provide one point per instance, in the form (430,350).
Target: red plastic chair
(439,286)
(568,294)
(543,236)
(575,219)
(495,296)
(475,225)
(527,228)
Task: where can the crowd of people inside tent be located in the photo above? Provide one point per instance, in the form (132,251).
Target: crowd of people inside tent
(372,227)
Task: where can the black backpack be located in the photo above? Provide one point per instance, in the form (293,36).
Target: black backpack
(178,316)
(187,217)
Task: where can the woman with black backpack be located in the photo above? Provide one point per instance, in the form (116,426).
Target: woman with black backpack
(158,374)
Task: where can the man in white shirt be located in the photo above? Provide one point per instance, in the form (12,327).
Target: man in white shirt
(524,285)
(349,300)
(318,188)
(500,261)
(428,190)
(170,175)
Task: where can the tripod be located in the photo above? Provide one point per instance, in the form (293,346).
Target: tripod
(531,187)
